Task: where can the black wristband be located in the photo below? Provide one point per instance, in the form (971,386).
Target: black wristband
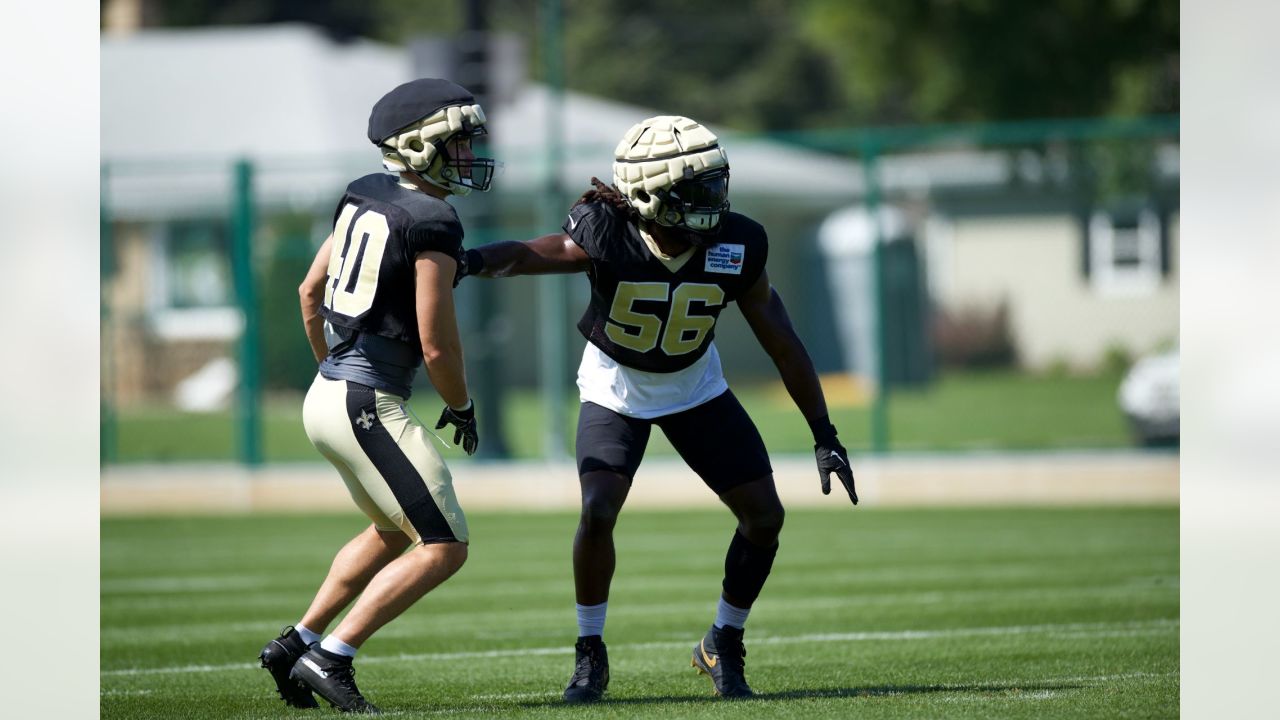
(822,429)
(474,261)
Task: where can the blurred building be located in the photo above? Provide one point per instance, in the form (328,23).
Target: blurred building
(180,107)
(991,227)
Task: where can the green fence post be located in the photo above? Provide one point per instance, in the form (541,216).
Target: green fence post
(106,269)
(552,289)
(249,415)
(880,406)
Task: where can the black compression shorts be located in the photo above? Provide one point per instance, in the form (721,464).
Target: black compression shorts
(717,439)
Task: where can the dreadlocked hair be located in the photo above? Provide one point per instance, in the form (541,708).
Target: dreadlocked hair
(608,194)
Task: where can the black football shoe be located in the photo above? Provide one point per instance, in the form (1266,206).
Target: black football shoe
(720,655)
(590,671)
(278,658)
(331,677)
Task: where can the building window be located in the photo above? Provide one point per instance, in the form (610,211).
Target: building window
(193,296)
(1125,253)
(199,273)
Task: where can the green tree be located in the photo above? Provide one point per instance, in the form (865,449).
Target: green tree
(749,67)
(775,65)
(966,60)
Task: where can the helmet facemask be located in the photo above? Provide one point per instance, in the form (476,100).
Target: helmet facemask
(474,173)
(697,204)
(424,150)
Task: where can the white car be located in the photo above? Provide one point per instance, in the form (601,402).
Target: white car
(1148,396)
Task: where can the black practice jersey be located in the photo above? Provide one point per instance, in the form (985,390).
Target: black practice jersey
(646,316)
(379,228)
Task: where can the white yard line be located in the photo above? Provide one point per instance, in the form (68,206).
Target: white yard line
(1082,630)
(517,696)
(177,584)
(135,636)
(126,693)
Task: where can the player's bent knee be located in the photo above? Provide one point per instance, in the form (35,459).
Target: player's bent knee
(603,494)
(452,555)
(456,554)
(763,527)
(599,516)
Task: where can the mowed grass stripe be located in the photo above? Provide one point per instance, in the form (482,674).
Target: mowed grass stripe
(972,613)
(412,626)
(1071,629)
(666,577)
(995,685)
(1068,584)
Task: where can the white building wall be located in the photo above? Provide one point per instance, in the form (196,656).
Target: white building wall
(1055,314)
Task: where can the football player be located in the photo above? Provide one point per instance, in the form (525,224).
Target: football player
(377,302)
(665,256)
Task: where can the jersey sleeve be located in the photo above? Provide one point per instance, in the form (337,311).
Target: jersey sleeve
(438,234)
(755,243)
(588,225)
(759,245)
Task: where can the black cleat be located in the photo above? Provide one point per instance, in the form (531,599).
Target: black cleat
(720,655)
(278,658)
(331,677)
(590,671)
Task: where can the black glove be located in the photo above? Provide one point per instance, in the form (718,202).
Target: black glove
(832,458)
(470,262)
(466,435)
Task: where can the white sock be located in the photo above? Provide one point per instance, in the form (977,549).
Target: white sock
(305,633)
(730,616)
(334,645)
(591,619)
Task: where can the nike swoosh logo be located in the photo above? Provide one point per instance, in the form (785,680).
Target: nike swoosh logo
(309,663)
(573,222)
(837,457)
(710,661)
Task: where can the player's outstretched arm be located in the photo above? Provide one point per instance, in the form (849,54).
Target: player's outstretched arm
(311,295)
(556,253)
(441,344)
(767,316)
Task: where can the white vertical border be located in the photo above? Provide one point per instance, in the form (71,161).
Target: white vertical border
(49,378)
(1230,360)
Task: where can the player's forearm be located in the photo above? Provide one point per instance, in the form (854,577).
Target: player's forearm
(311,296)
(313,323)
(767,316)
(442,353)
(801,380)
(543,255)
(508,259)
(447,373)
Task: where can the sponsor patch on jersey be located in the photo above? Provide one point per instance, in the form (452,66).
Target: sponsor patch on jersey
(725,258)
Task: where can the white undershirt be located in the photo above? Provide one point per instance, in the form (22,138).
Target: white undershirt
(640,394)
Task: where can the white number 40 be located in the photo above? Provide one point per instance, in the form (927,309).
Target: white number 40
(353,276)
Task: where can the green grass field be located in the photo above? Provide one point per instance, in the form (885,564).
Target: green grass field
(962,411)
(1022,613)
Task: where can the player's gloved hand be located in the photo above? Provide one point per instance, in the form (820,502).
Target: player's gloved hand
(832,458)
(470,262)
(465,434)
